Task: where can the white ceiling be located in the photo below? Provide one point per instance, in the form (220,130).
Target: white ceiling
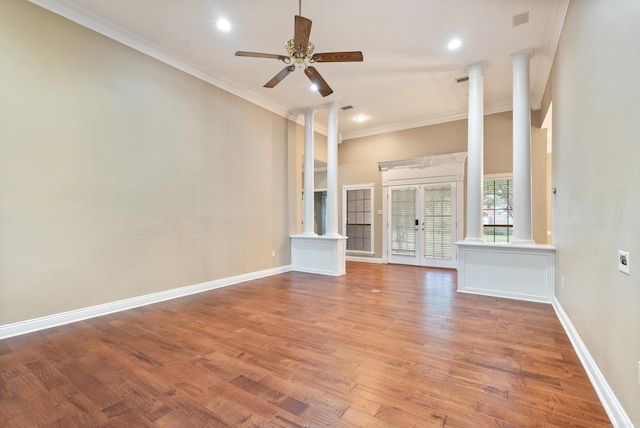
(408,75)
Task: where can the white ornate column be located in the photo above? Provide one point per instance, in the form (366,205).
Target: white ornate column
(308,220)
(324,254)
(475,150)
(332,170)
(521,149)
(521,270)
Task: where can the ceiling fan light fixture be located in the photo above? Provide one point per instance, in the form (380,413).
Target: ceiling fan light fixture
(299,56)
(314,87)
(300,52)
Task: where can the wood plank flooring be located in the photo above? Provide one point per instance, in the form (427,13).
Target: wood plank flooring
(383,346)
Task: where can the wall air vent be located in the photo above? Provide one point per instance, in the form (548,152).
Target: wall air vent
(520,19)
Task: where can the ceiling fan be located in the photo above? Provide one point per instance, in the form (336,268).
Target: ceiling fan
(300,52)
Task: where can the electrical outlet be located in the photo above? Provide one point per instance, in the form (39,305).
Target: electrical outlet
(562,283)
(273,253)
(624,262)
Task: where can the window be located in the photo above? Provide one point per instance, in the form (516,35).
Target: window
(358,217)
(497,210)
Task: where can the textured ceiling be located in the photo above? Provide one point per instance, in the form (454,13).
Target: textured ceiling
(407,79)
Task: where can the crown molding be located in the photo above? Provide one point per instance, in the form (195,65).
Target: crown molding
(556,13)
(92,20)
(87,17)
(427,121)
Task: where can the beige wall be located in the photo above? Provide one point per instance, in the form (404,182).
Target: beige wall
(358,159)
(122,176)
(596,158)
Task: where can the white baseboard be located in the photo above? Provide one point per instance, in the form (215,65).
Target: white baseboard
(364,259)
(28,326)
(616,413)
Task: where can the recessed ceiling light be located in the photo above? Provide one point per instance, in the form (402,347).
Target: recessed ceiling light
(454,44)
(223,24)
(360,118)
(313,87)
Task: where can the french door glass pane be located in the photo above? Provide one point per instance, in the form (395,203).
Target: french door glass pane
(438,236)
(403,217)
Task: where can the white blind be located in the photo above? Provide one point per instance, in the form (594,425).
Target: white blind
(403,218)
(438,238)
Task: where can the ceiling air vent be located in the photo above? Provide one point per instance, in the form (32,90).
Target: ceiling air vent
(349,107)
(462,79)
(520,19)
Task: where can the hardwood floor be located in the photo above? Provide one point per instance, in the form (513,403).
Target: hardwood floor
(384,345)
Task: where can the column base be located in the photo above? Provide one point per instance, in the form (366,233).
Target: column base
(324,255)
(523,242)
(523,272)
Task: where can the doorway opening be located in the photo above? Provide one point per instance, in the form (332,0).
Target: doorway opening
(421,218)
(422,225)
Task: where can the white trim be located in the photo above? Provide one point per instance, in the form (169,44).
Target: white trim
(544,54)
(362,253)
(612,406)
(357,186)
(374,260)
(501,176)
(29,326)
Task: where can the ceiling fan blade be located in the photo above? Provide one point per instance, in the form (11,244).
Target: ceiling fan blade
(280,76)
(337,56)
(282,58)
(316,78)
(302,32)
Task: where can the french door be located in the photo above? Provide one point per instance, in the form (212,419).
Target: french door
(422,225)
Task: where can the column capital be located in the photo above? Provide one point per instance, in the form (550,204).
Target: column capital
(330,104)
(476,67)
(521,55)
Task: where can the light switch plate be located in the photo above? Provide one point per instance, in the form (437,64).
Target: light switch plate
(623,262)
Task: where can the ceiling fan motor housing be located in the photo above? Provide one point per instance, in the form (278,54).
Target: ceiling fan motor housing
(299,55)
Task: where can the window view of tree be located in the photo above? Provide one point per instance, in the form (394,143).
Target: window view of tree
(497,213)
